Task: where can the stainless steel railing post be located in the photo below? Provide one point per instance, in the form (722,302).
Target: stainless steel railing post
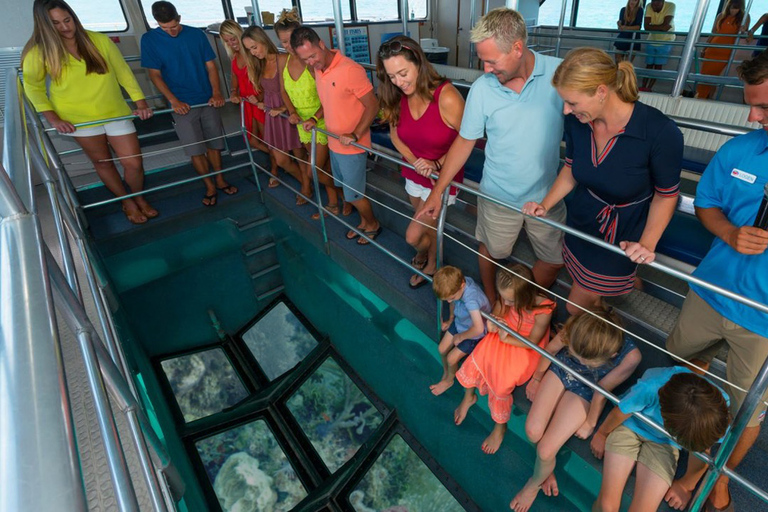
(439,247)
(689,49)
(753,399)
(560,25)
(320,209)
(246,138)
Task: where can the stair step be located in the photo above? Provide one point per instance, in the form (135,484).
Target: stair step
(264,272)
(261,248)
(271,292)
(252,224)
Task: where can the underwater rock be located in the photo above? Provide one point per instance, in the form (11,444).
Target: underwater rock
(242,487)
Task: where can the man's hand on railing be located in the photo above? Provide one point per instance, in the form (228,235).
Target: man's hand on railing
(217,101)
(143,111)
(748,240)
(234,98)
(637,252)
(180,107)
(347,138)
(534,208)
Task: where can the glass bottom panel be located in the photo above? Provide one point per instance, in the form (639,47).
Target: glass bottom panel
(400,481)
(203,383)
(334,414)
(249,471)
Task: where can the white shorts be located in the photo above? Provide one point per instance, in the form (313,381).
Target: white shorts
(416,190)
(113,129)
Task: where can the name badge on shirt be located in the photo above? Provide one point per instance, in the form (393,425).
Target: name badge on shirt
(743,176)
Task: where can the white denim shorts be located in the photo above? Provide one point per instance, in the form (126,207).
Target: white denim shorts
(113,129)
(422,192)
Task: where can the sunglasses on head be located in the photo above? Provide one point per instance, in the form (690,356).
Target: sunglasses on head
(391,48)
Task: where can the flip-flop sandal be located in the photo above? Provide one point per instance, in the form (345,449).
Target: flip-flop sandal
(211,199)
(273,183)
(333,208)
(351,235)
(370,234)
(230,190)
(419,281)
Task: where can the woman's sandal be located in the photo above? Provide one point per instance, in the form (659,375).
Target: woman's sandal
(333,208)
(211,198)
(418,263)
(417,281)
(273,183)
(230,190)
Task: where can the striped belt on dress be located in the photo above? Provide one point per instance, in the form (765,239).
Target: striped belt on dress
(608,217)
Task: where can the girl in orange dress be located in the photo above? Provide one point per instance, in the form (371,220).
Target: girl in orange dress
(727,24)
(500,362)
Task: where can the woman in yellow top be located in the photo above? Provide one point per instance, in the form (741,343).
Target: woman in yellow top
(727,24)
(86,71)
(303,105)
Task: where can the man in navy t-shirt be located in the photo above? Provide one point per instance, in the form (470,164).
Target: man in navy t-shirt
(182,66)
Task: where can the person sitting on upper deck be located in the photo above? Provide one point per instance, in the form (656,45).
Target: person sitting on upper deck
(622,162)
(688,406)
(86,71)
(424,112)
(659,18)
(349,108)
(182,65)
(515,104)
(728,23)
(727,200)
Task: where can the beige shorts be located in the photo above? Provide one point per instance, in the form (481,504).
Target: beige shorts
(661,459)
(498,228)
(699,334)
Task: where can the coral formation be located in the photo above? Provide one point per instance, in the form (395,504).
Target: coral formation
(241,486)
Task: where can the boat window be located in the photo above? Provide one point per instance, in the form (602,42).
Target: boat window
(593,14)
(334,414)
(249,470)
(549,13)
(399,480)
(377,10)
(272,6)
(279,341)
(322,10)
(203,383)
(100,15)
(195,13)
(419,9)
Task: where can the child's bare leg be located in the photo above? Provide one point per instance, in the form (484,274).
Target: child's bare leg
(493,441)
(468,401)
(650,489)
(445,346)
(616,471)
(452,361)
(570,414)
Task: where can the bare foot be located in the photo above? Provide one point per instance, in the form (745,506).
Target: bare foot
(439,388)
(347,209)
(677,496)
(493,441)
(549,486)
(145,208)
(461,411)
(524,499)
(720,496)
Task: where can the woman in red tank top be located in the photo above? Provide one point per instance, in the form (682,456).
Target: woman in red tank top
(424,113)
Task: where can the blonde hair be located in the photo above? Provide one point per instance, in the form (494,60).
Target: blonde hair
(256,66)
(233,29)
(591,337)
(517,279)
(585,69)
(447,281)
(504,25)
(51,47)
(288,21)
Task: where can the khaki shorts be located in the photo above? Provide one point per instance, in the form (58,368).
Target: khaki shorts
(699,334)
(498,228)
(661,459)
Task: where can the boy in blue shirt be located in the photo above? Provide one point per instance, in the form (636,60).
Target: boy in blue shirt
(688,406)
(465,326)
(182,65)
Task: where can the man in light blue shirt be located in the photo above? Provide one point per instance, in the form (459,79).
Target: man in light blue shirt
(727,201)
(515,104)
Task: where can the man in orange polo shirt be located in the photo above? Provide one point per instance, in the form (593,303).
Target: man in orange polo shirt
(349,107)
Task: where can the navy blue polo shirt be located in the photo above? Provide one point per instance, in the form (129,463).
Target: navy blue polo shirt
(181,60)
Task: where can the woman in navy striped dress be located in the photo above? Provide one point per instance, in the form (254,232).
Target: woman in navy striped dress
(622,171)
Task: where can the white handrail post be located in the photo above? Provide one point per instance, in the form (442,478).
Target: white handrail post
(689,50)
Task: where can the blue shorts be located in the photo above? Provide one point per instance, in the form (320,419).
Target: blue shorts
(349,173)
(658,54)
(466,346)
